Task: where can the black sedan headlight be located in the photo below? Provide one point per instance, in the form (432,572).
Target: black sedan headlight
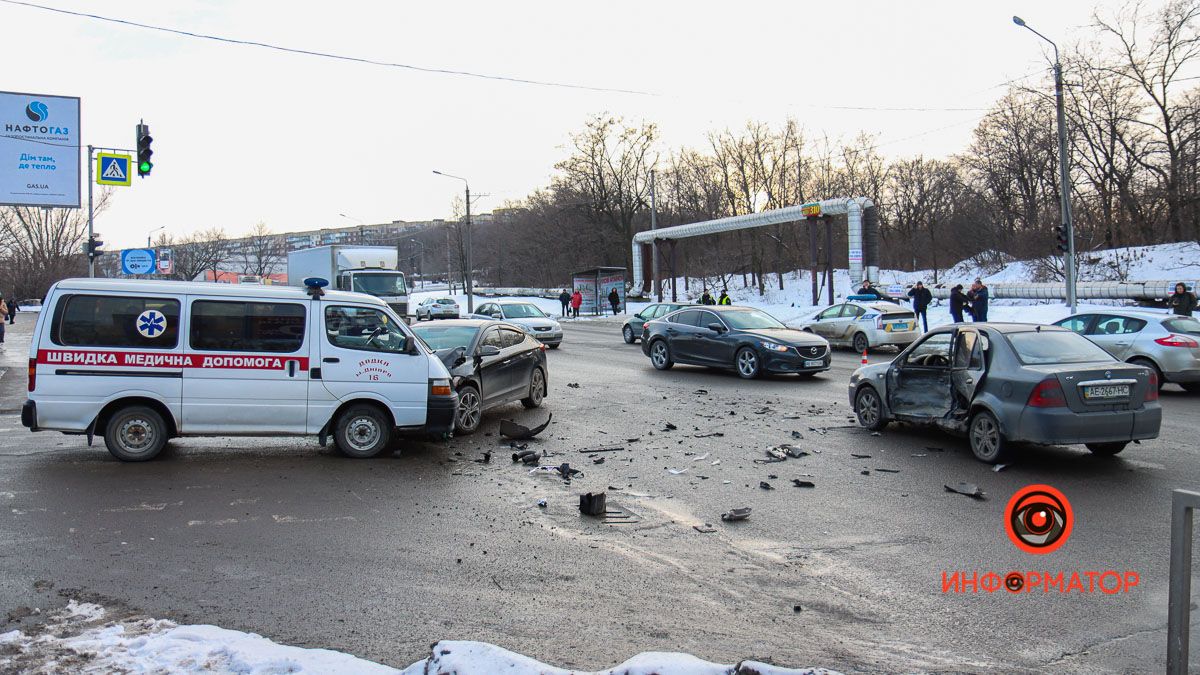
(773,346)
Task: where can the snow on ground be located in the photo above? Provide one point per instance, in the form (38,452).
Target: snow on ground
(794,302)
(80,638)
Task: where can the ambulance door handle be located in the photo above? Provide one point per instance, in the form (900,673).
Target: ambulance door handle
(331,359)
(291,368)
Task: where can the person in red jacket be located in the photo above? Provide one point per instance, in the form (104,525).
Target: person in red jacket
(576,301)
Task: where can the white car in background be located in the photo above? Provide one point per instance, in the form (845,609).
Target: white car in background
(437,308)
(863,325)
(31,305)
(527,315)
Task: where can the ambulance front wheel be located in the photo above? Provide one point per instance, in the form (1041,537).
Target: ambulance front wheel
(362,431)
(135,434)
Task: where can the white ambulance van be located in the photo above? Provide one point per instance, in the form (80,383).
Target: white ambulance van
(141,362)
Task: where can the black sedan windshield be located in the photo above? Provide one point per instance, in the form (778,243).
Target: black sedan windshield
(1042,347)
(446,337)
(751,319)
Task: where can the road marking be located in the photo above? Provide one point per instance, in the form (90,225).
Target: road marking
(293,519)
(223,521)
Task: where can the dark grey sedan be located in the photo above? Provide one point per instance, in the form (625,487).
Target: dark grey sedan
(491,363)
(746,340)
(1005,383)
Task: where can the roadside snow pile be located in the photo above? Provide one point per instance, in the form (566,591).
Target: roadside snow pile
(72,642)
(451,657)
(79,639)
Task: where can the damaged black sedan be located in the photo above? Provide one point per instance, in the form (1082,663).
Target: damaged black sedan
(743,339)
(491,362)
(1006,383)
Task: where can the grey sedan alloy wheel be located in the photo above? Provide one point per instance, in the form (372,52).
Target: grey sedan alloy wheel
(869,408)
(987,443)
(660,355)
(470,411)
(627,332)
(747,363)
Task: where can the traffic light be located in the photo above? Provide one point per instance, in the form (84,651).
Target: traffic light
(1060,238)
(143,150)
(91,247)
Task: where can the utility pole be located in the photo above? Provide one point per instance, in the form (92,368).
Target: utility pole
(654,242)
(1064,174)
(469,272)
(91,214)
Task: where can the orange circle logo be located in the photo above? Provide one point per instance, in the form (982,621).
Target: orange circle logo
(1038,519)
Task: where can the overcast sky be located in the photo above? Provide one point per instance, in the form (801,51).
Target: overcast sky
(244,134)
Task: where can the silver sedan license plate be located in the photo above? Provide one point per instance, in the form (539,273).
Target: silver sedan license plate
(1106,391)
(813,364)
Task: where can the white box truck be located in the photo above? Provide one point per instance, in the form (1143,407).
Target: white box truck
(362,269)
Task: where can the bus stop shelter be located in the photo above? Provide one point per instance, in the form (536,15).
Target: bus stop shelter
(595,284)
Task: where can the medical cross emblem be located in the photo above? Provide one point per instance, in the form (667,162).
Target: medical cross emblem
(151,323)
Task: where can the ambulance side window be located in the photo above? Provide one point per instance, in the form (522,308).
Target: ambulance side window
(107,321)
(219,325)
(363,328)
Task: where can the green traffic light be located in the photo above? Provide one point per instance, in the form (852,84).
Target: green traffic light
(144,167)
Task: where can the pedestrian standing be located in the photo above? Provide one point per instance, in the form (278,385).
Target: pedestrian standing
(12,314)
(958,301)
(614,299)
(979,300)
(921,297)
(1183,301)
(3,319)
(564,298)
(576,302)
(724,299)
(707,299)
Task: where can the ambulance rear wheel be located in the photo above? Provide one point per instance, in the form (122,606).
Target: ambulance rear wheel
(135,434)
(362,431)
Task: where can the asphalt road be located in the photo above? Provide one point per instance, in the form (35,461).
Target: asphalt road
(383,557)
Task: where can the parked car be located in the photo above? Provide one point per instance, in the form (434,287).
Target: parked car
(1168,343)
(437,308)
(491,363)
(632,330)
(30,305)
(142,361)
(862,325)
(1006,383)
(525,314)
(746,340)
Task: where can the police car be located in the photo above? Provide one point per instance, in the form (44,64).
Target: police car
(139,362)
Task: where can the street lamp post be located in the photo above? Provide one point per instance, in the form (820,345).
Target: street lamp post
(470,272)
(1063,171)
(151,233)
(420,262)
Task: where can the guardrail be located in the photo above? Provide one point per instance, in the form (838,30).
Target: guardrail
(1179,604)
(1085,290)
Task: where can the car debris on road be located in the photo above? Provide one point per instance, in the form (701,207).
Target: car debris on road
(520,432)
(740,513)
(969,489)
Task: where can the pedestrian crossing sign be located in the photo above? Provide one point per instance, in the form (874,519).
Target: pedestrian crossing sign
(112,169)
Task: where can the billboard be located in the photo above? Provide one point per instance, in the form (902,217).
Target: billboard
(39,150)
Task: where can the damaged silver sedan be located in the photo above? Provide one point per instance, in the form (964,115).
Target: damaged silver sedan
(1006,383)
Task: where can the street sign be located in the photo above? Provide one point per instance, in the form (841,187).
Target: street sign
(112,169)
(166,263)
(138,261)
(811,210)
(39,150)
(855,255)
(895,290)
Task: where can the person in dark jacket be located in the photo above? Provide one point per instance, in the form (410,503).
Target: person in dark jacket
(921,297)
(1182,301)
(979,301)
(12,313)
(707,299)
(614,299)
(958,301)
(724,299)
(868,289)
(564,299)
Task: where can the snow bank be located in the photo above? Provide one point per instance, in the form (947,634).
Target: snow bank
(78,638)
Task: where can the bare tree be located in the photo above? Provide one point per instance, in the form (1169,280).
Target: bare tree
(197,253)
(261,251)
(42,246)
(1155,64)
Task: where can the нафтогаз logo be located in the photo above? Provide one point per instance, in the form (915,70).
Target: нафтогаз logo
(1038,519)
(37,111)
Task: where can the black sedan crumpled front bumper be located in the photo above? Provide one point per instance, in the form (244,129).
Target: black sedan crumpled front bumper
(796,360)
